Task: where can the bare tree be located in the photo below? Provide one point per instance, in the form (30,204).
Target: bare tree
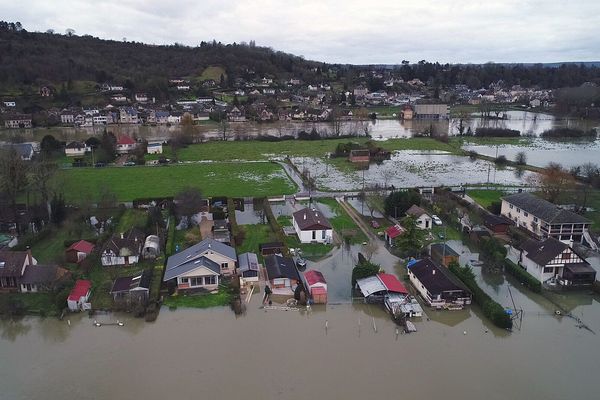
(553,181)
(188,202)
(224,128)
(42,172)
(336,121)
(13,177)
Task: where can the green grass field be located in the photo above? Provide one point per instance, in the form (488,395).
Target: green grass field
(215,179)
(222,298)
(213,72)
(254,235)
(132,218)
(485,197)
(342,222)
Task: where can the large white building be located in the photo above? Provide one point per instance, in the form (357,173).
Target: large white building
(543,218)
(312,226)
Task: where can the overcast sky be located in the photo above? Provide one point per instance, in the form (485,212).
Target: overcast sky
(345,31)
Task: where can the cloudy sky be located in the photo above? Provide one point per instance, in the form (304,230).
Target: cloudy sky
(345,31)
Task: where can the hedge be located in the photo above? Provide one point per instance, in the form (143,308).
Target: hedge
(235,230)
(275,227)
(491,309)
(523,276)
(170,244)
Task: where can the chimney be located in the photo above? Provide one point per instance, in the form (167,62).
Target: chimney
(29,256)
(433,271)
(304,215)
(122,237)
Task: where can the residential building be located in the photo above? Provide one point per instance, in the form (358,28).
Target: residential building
(359,156)
(316,286)
(16,121)
(128,115)
(497,224)
(123,249)
(79,296)
(544,219)
(67,118)
(422,219)
(125,144)
(281,273)
(78,251)
(248,268)
(12,268)
(20,272)
(437,286)
(553,260)
(24,150)
(407,112)
(432,111)
(154,148)
(312,226)
(201,265)
(77,149)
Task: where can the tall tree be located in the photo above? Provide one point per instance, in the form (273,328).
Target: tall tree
(41,173)
(13,178)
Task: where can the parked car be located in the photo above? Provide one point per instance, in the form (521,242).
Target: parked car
(100,164)
(129,163)
(436,220)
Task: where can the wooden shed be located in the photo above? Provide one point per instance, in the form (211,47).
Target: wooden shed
(317,286)
(78,251)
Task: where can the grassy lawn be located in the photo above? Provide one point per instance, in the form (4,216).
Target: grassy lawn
(215,179)
(309,250)
(342,223)
(51,249)
(222,298)
(132,218)
(103,277)
(285,220)
(187,237)
(214,73)
(258,150)
(254,235)
(485,197)
(444,230)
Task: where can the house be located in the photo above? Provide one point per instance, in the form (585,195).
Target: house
(359,156)
(76,149)
(200,266)
(67,118)
(236,115)
(79,295)
(12,268)
(281,273)
(10,103)
(24,150)
(391,233)
(141,97)
(123,249)
(128,115)
(544,219)
(375,288)
(125,144)
(16,121)
(154,148)
(432,111)
(443,254)
(312,226)
(248,268)
(271,248)
(46,91)
(497,224)
(78,251)
(437,286)
(220,231)
(151,247)
(42,278)
(422,219)
(360,91)
(554,261)
(316,286)
(407,112)
(132,289)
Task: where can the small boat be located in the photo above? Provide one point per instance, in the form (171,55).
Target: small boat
(409,327)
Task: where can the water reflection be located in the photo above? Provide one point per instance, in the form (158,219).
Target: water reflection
(12,328)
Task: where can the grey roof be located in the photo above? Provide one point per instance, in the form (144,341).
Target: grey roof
(130,244)
(370,285)
(191,265)
(127,283)
(247,262)
(197,251)
(35,274)
(544,210)
(439,249)
(436,279)
(11,262)
(281,267)
(542,252)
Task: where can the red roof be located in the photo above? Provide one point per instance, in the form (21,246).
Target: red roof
(313,277)
(394,231)
(82,246)
(82,287)
(392,283)
(124,139)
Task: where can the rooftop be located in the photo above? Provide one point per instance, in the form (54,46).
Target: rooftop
(310,219)
(544,210)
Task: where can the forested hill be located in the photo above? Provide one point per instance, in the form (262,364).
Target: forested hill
(28,58)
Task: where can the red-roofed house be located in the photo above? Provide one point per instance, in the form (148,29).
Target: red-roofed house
(78,251)
(392,233)
(392,283)
(79,295)
(317,286)
(125,144)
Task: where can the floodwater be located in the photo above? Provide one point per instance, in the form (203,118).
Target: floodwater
(540,152)
(528,123)
(410,168)
(341,350)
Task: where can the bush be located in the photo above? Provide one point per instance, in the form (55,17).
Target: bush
(397,203)
(501,160)
(494,311)
(364,269)
(523,276)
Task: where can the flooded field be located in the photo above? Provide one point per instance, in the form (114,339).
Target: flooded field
(528,123)
(540,152)
(411,168)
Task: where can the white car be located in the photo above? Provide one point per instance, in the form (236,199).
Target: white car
(436,220)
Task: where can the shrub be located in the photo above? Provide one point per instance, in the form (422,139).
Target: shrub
(523,276)
(491,309)
(501,160)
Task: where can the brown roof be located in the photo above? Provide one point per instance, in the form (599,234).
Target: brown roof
(311,219)
(35,274)
(11,262)
(133,240)
(415,211)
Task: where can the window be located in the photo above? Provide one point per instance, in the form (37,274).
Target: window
(510,206)
(525,214)
(314,235)
(196,281)
(566,256)
(518,210)
(184,280)
(224,266)
(323,235)
(548,270)
(210,280)
(535,219)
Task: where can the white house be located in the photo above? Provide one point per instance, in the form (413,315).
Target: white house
(553,259)
(76,149)
(422,219)
(79,295)
(543,218)
(125,144)
(154,148)
(312,226)
(200,266)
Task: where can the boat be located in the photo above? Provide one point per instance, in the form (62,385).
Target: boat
(402,307)
(409,327)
